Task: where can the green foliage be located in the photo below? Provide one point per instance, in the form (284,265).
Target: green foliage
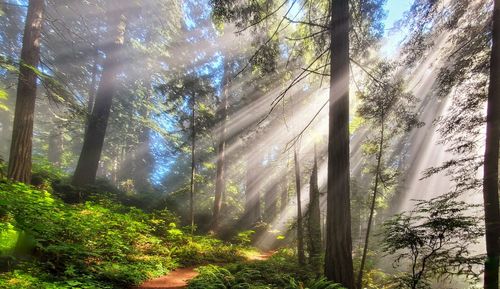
(96,244)
(44,172)
(111,242)
(3,167)
(436,239)
(192,250)
(244,238)
(3,97)
(280,271)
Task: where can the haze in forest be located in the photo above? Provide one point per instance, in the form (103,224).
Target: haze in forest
(249,144)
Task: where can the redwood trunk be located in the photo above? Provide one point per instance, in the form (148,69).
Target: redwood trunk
(284,192)
(220,182)
(193,161)
(338,255)
(314,220)
(56,141)
(252,195)
(490,182)
(300,227)
(86,169)
(22,131)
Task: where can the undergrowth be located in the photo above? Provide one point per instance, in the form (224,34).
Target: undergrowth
(281,271)
(46,243)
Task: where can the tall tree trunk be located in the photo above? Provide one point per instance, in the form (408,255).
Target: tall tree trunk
(252,195)
(143,159)
(271,203)
(300,227)
(314,220)
(56,142)
(372,206)
(93,85)
(193,161)
(284,191)
(220,182)
(22,131)
(491,155)
(338,255)
(86,169)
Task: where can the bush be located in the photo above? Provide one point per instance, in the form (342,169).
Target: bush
(279,272)
(96,244)
(435,239)
(109,242)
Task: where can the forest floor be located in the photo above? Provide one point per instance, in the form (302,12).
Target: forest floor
(180,277)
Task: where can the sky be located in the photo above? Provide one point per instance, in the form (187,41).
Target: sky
(395,10)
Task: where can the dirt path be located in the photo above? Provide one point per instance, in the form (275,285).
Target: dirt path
(174,280)
(179,278)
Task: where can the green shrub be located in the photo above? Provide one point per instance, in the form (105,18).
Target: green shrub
(279,272)
(194,250)
(107,241)
(94,244)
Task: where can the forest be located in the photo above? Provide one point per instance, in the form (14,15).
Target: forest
(249,144)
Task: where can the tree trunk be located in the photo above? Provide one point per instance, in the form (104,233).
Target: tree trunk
(193,161)
(271,203)
(220,182)
(300,227)
(143,160)
(252,195)
(284,192)
(490,182)
(55,151)
(372,206)
(86,169)
(93,82)
(314,220)
(22,130)
(338,255)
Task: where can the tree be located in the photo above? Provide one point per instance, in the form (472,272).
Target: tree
(193,160)
(435,238)
(338,255)
(471,61)
(491,156)
(314,220)
(220,182)
(284,190)
(300,226)
(56,146)
(252,194)
(21,146)
(389,111)
(86,169)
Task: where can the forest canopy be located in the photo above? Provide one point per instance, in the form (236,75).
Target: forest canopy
(250,144)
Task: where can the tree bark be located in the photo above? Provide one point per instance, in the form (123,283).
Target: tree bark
(252,195)
(20,162)
(491,155)
(193,161)
(88,163)
(271,203)
(56,142)
(300,227)
(220,182)
(284,192)
(314,220)
(93,82)
(338,255)
(143,159)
